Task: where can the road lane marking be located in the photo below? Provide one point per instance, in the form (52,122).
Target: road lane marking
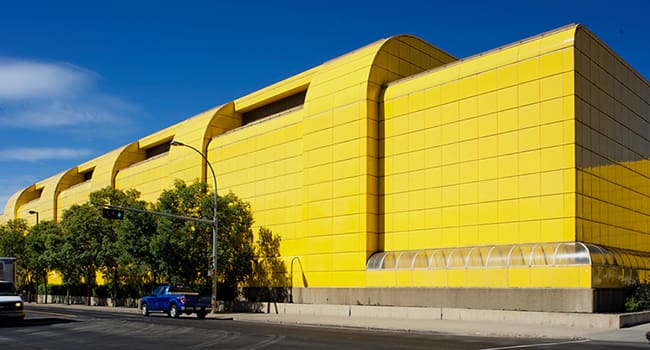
(539,344)
(50,313)
(272,339)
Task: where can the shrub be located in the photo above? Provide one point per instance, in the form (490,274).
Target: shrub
(639,300)
(61,289)
(100,291)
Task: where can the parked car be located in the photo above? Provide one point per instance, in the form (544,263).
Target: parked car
(11,304)
(175,300)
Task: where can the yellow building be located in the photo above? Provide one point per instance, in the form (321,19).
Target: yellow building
(397,174)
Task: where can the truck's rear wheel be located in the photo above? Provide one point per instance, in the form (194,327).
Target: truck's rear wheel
(145,309)
(201,314)
(173,311)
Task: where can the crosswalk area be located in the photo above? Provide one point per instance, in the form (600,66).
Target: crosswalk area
(130,333)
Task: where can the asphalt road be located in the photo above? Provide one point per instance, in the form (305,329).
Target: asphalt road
(57,328)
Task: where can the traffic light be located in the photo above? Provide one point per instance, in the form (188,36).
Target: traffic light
(114,214)
(210,267)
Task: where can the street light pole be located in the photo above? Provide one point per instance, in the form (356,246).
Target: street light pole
(213,299)
(34,212)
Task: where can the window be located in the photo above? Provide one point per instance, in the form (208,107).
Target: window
(157,150)
(275,107)
(88,174)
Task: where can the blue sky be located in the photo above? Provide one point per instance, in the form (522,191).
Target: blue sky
(80,78)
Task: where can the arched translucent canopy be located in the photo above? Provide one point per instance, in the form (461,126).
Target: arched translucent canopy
(516,255)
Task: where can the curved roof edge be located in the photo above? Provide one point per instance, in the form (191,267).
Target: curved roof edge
(11,207)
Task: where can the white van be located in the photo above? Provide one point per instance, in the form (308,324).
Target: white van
(11,304)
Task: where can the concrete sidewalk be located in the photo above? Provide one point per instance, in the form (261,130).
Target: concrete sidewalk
(469,322)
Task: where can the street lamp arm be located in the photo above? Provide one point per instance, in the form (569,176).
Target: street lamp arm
(214,176)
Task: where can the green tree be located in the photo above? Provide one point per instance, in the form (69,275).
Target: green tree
(235,253)
(41,243)
(134,237)
(125,255)
(12,238)
(269,280)
(182,249)
(86,237)
(12,244)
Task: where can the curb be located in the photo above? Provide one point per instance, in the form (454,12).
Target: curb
(579,320)
(492,323)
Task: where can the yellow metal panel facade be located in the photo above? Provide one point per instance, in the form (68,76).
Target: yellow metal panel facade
(86,178)
(398,147)
(263,164)
(492,170)
(311,174)
(612,148)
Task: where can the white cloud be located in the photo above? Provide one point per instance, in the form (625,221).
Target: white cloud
(51,116)
(29,79)
(60,113)
(34,154)
(50,95)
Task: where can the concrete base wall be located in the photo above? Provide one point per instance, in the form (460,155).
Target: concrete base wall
(565,319)
(524,299)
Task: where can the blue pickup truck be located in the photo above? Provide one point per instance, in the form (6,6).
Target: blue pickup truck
(175,300)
